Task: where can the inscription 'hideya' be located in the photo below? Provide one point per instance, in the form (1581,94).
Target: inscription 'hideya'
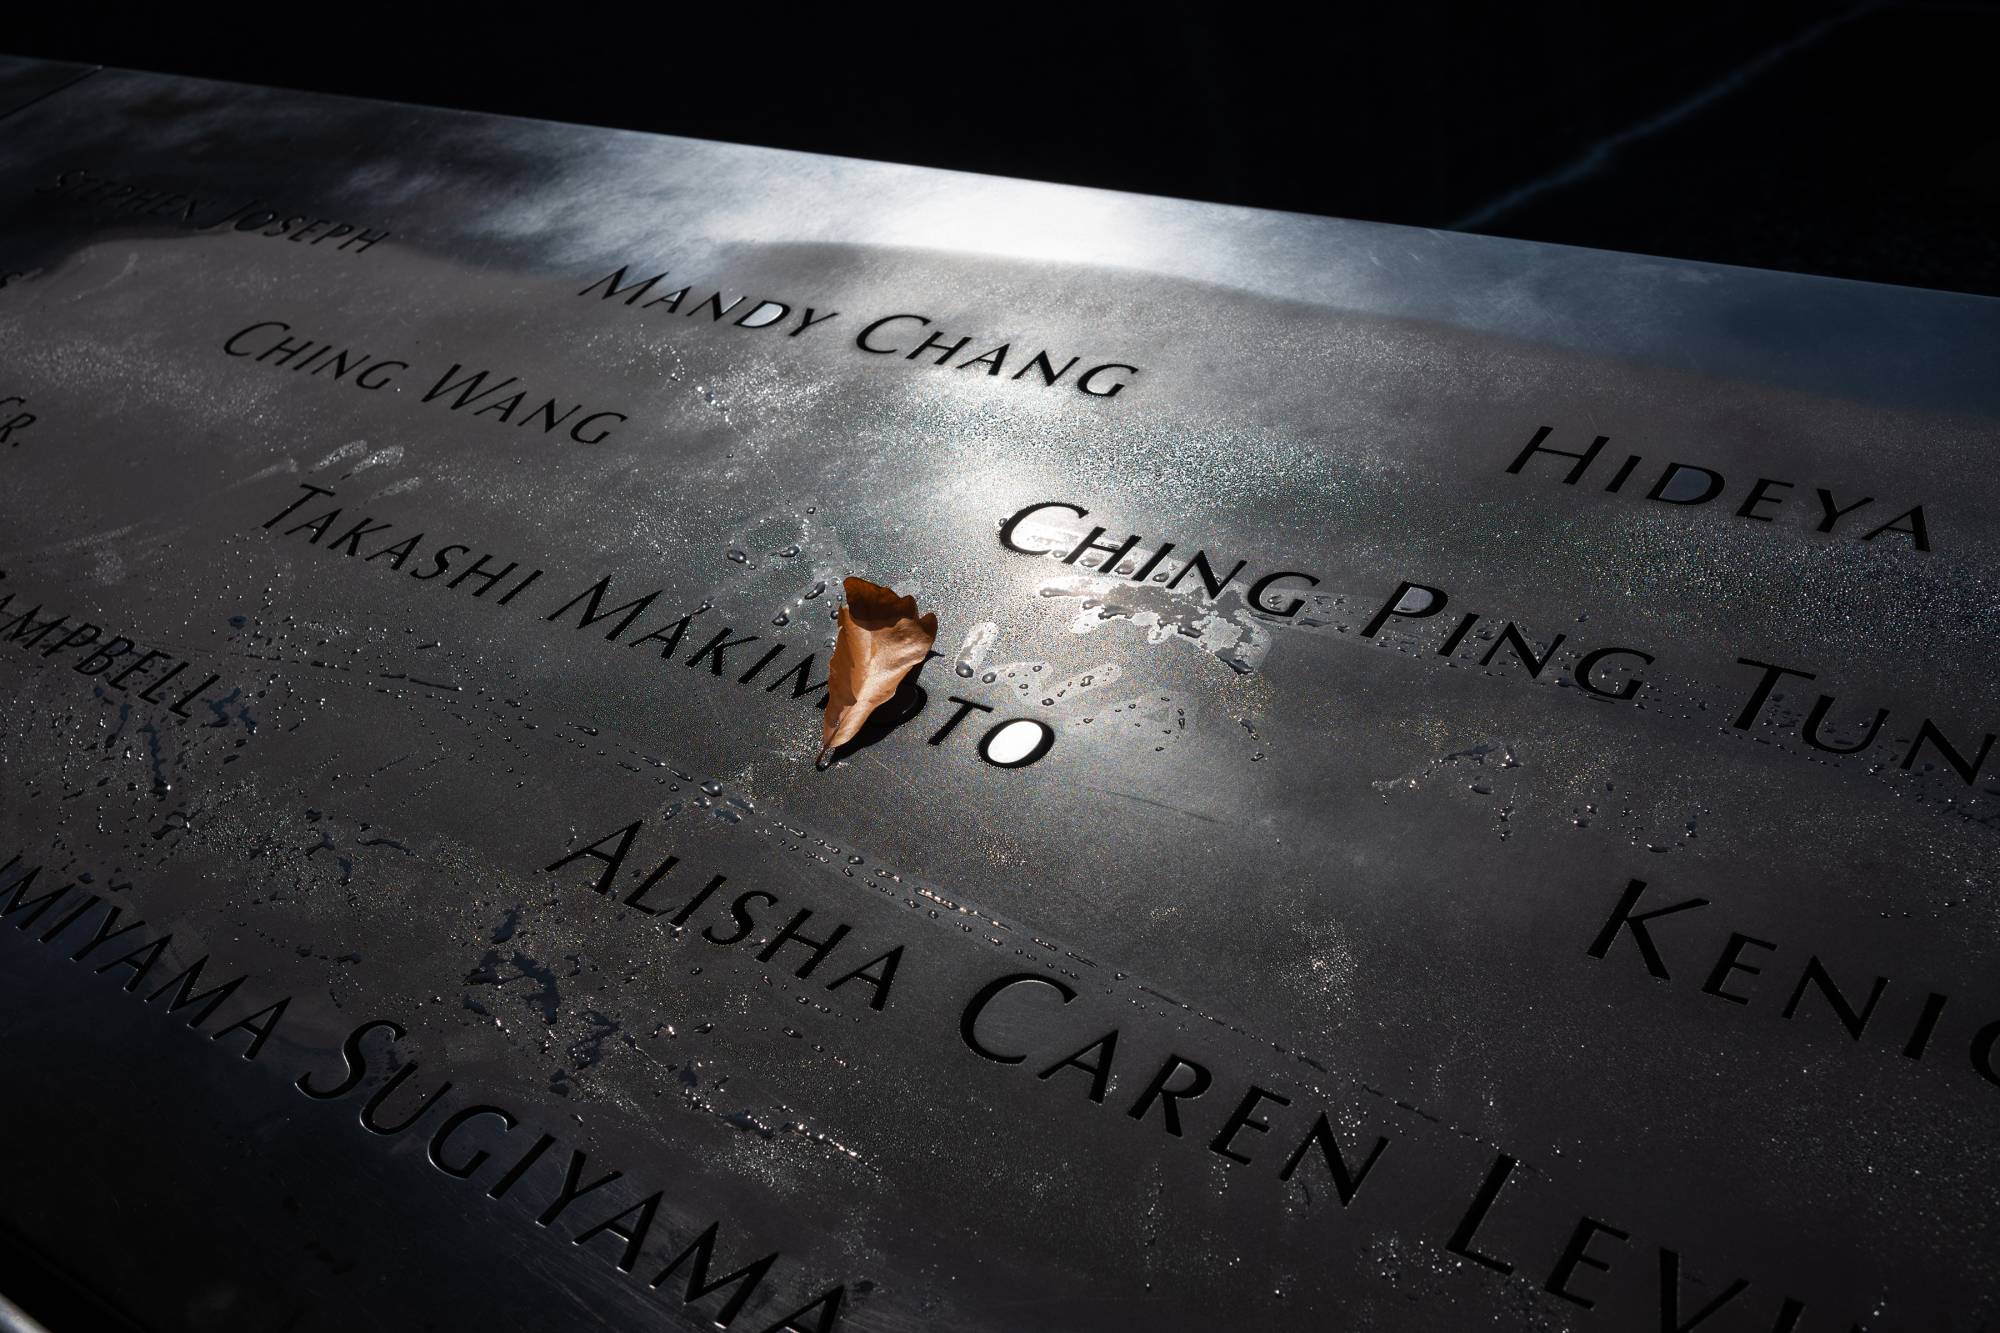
(1689,485)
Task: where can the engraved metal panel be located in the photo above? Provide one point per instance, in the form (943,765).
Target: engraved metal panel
(1499,828)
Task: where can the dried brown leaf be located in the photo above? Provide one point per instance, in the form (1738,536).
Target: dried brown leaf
(881,640)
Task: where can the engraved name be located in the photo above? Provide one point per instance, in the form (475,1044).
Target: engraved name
(101,194)
(1646,928)
(714,652)
(729,917)
(1689,486)
(905,337)
(1609,673)
(1412,617)
(1109,556)
(1023,1021)
(468,1144)
(57,634)
(482,395)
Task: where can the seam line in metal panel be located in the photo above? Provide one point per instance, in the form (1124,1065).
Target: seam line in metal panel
(59,88)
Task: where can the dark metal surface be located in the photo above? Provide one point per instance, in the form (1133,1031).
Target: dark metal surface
(1359,862)
(25,82)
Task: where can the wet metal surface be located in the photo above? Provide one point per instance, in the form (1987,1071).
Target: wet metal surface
(1257,940)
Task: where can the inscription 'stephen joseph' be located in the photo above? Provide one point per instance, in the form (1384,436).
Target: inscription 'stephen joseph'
(1432,807)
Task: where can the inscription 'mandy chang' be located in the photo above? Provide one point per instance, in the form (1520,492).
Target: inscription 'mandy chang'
(904,336)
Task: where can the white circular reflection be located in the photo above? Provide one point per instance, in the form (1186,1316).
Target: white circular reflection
(1012,744)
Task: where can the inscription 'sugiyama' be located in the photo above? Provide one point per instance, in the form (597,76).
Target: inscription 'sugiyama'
(1435,805)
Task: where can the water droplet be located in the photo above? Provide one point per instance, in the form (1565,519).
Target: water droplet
(712,787)
(789,552)
(740,557)
(781,619)
(964,669)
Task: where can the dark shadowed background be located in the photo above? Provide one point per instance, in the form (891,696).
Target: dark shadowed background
(1861,141)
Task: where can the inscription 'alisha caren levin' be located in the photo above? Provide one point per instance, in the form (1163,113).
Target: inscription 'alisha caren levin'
(90,191)
(1090,1057)
(907,337)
